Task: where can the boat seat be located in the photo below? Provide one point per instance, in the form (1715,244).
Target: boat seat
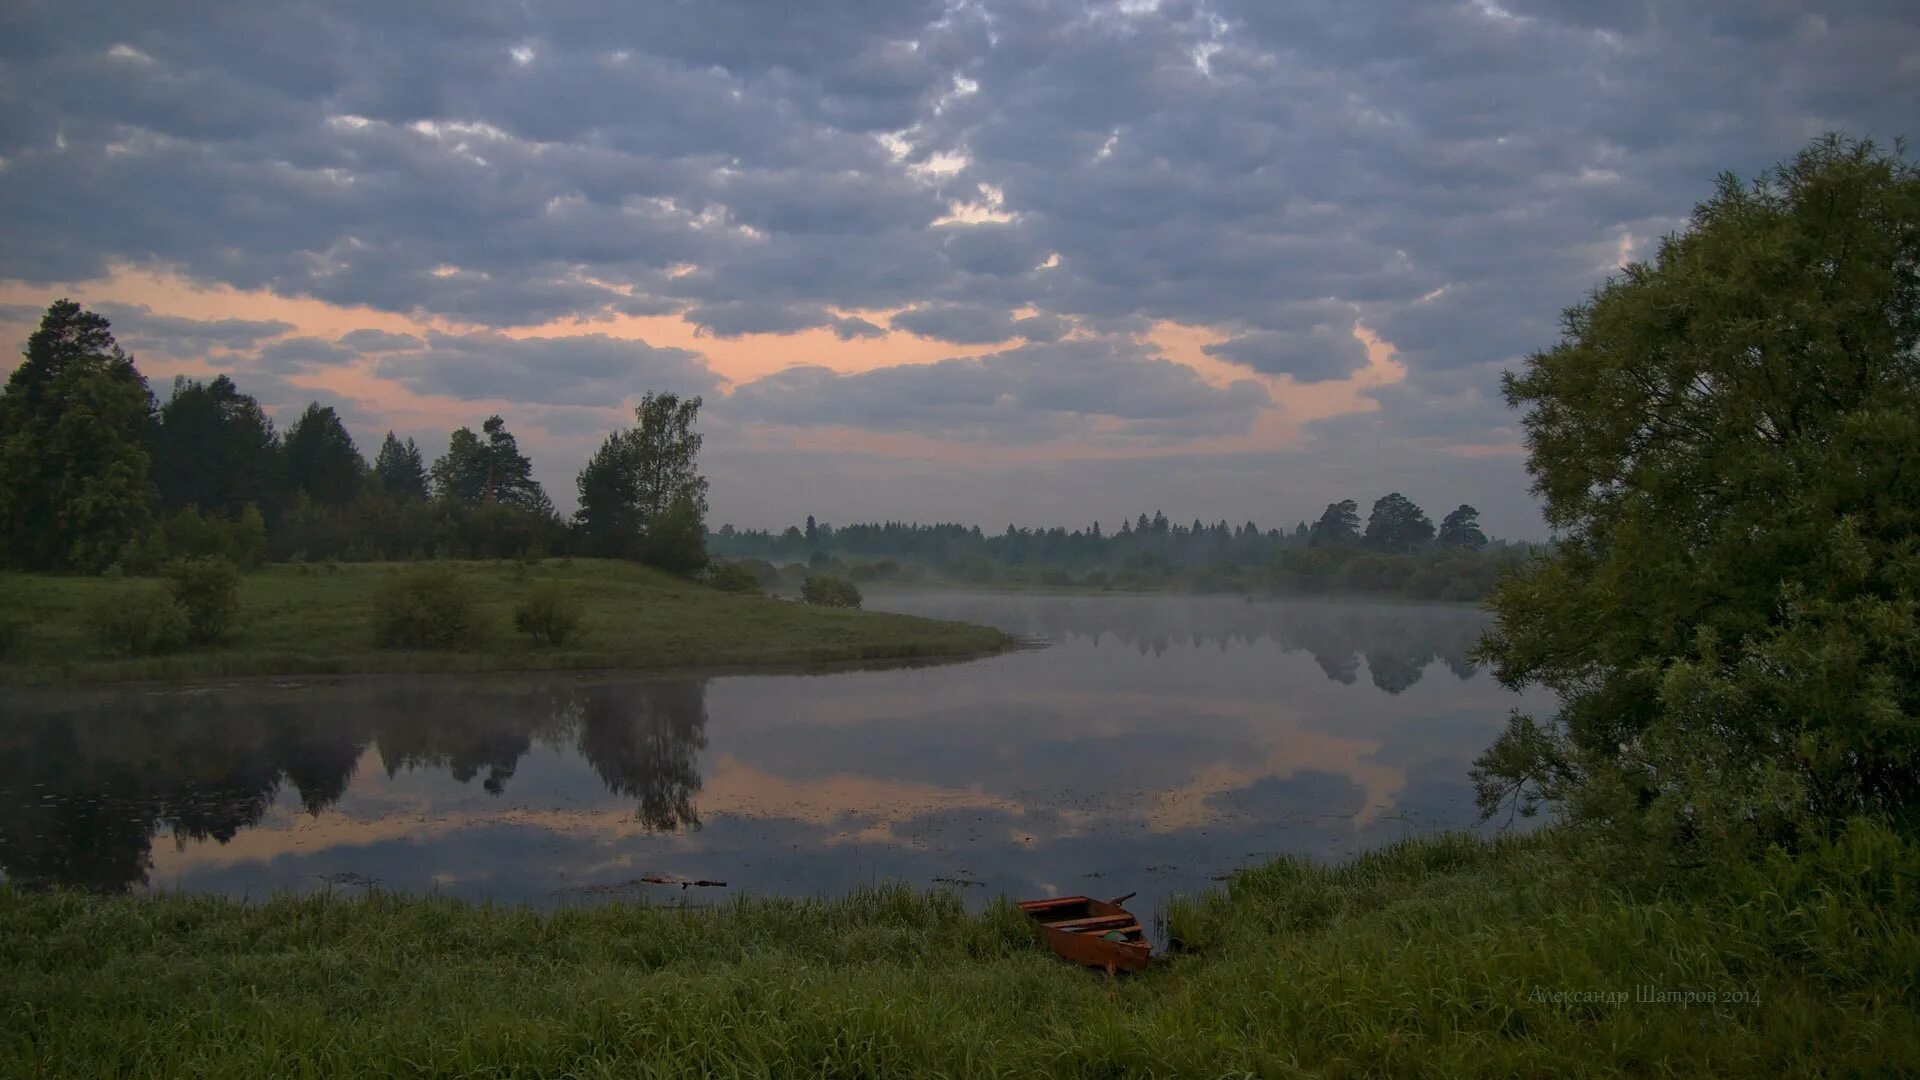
(1098,922)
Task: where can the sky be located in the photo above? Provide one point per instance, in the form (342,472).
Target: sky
(1009,261)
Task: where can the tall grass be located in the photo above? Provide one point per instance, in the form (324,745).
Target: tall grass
(1422,959)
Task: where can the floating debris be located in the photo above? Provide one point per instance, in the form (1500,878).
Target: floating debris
(348,877)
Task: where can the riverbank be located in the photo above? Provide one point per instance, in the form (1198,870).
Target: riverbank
(318,619)
(1446,956)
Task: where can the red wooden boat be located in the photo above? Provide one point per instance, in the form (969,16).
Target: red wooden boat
(1097,933)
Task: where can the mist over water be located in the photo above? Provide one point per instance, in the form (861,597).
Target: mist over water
(1153,745)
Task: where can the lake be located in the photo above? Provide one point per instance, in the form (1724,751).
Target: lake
(1154,745)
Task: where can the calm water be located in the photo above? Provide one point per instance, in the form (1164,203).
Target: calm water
(1154,745)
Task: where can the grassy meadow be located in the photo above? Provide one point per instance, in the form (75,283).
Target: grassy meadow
(309,619)
(1434,957)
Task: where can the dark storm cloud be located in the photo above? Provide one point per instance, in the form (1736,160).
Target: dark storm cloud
(1026,394)
(584,369)
(1454,174)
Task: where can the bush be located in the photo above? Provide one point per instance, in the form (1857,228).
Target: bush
(138,622)
(208,591)
(425,607)
(734,578)
(763,571)
(829,591)
(550,614)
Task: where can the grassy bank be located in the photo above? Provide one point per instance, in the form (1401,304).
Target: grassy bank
(319,619)
(1433,957)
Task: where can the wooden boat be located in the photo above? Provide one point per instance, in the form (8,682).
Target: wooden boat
(1097,933)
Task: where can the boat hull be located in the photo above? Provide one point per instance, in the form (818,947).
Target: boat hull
(1083,930)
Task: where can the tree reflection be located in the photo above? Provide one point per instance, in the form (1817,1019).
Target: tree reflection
(86,783)
(644,740)
(1398,641)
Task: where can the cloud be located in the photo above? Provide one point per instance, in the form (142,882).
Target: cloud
(851,327)
(304,354)
(961,324)
(139,330)
(1316,354)
(1042,327)
(378,341)
(1030,393)
(733,318)
(1451,176)
(584,369)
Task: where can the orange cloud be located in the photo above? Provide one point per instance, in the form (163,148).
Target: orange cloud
(737,361)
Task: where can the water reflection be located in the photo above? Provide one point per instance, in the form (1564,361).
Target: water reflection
(86,783)
(1153,745)
(1397,641)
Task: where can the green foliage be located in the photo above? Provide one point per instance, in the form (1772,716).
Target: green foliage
(138,621)
(1397,525)
(829,591)
(214,449)
(401,472)
(676,541)
(549,614)
(1339,525)
(643,477)
(428,606)
(74,484)
(1728,441)
(322,462)
(1461,529)
(247,538)
(483,471)
(207,588)
(735,578)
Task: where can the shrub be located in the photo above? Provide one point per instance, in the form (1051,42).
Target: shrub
(767,574)
(550,614)
(425,607)
(208,591)
(734,578)
(138,622)
(829,591)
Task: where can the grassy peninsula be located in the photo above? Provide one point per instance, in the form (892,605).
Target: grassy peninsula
(319,618)
(1447,956)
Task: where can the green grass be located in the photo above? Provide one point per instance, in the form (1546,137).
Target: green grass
(1421,959)
(318,619)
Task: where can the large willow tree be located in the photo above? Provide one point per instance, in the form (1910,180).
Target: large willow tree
(1727,441)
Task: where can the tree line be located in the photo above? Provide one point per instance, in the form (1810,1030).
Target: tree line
(95,473)
(1399,550)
